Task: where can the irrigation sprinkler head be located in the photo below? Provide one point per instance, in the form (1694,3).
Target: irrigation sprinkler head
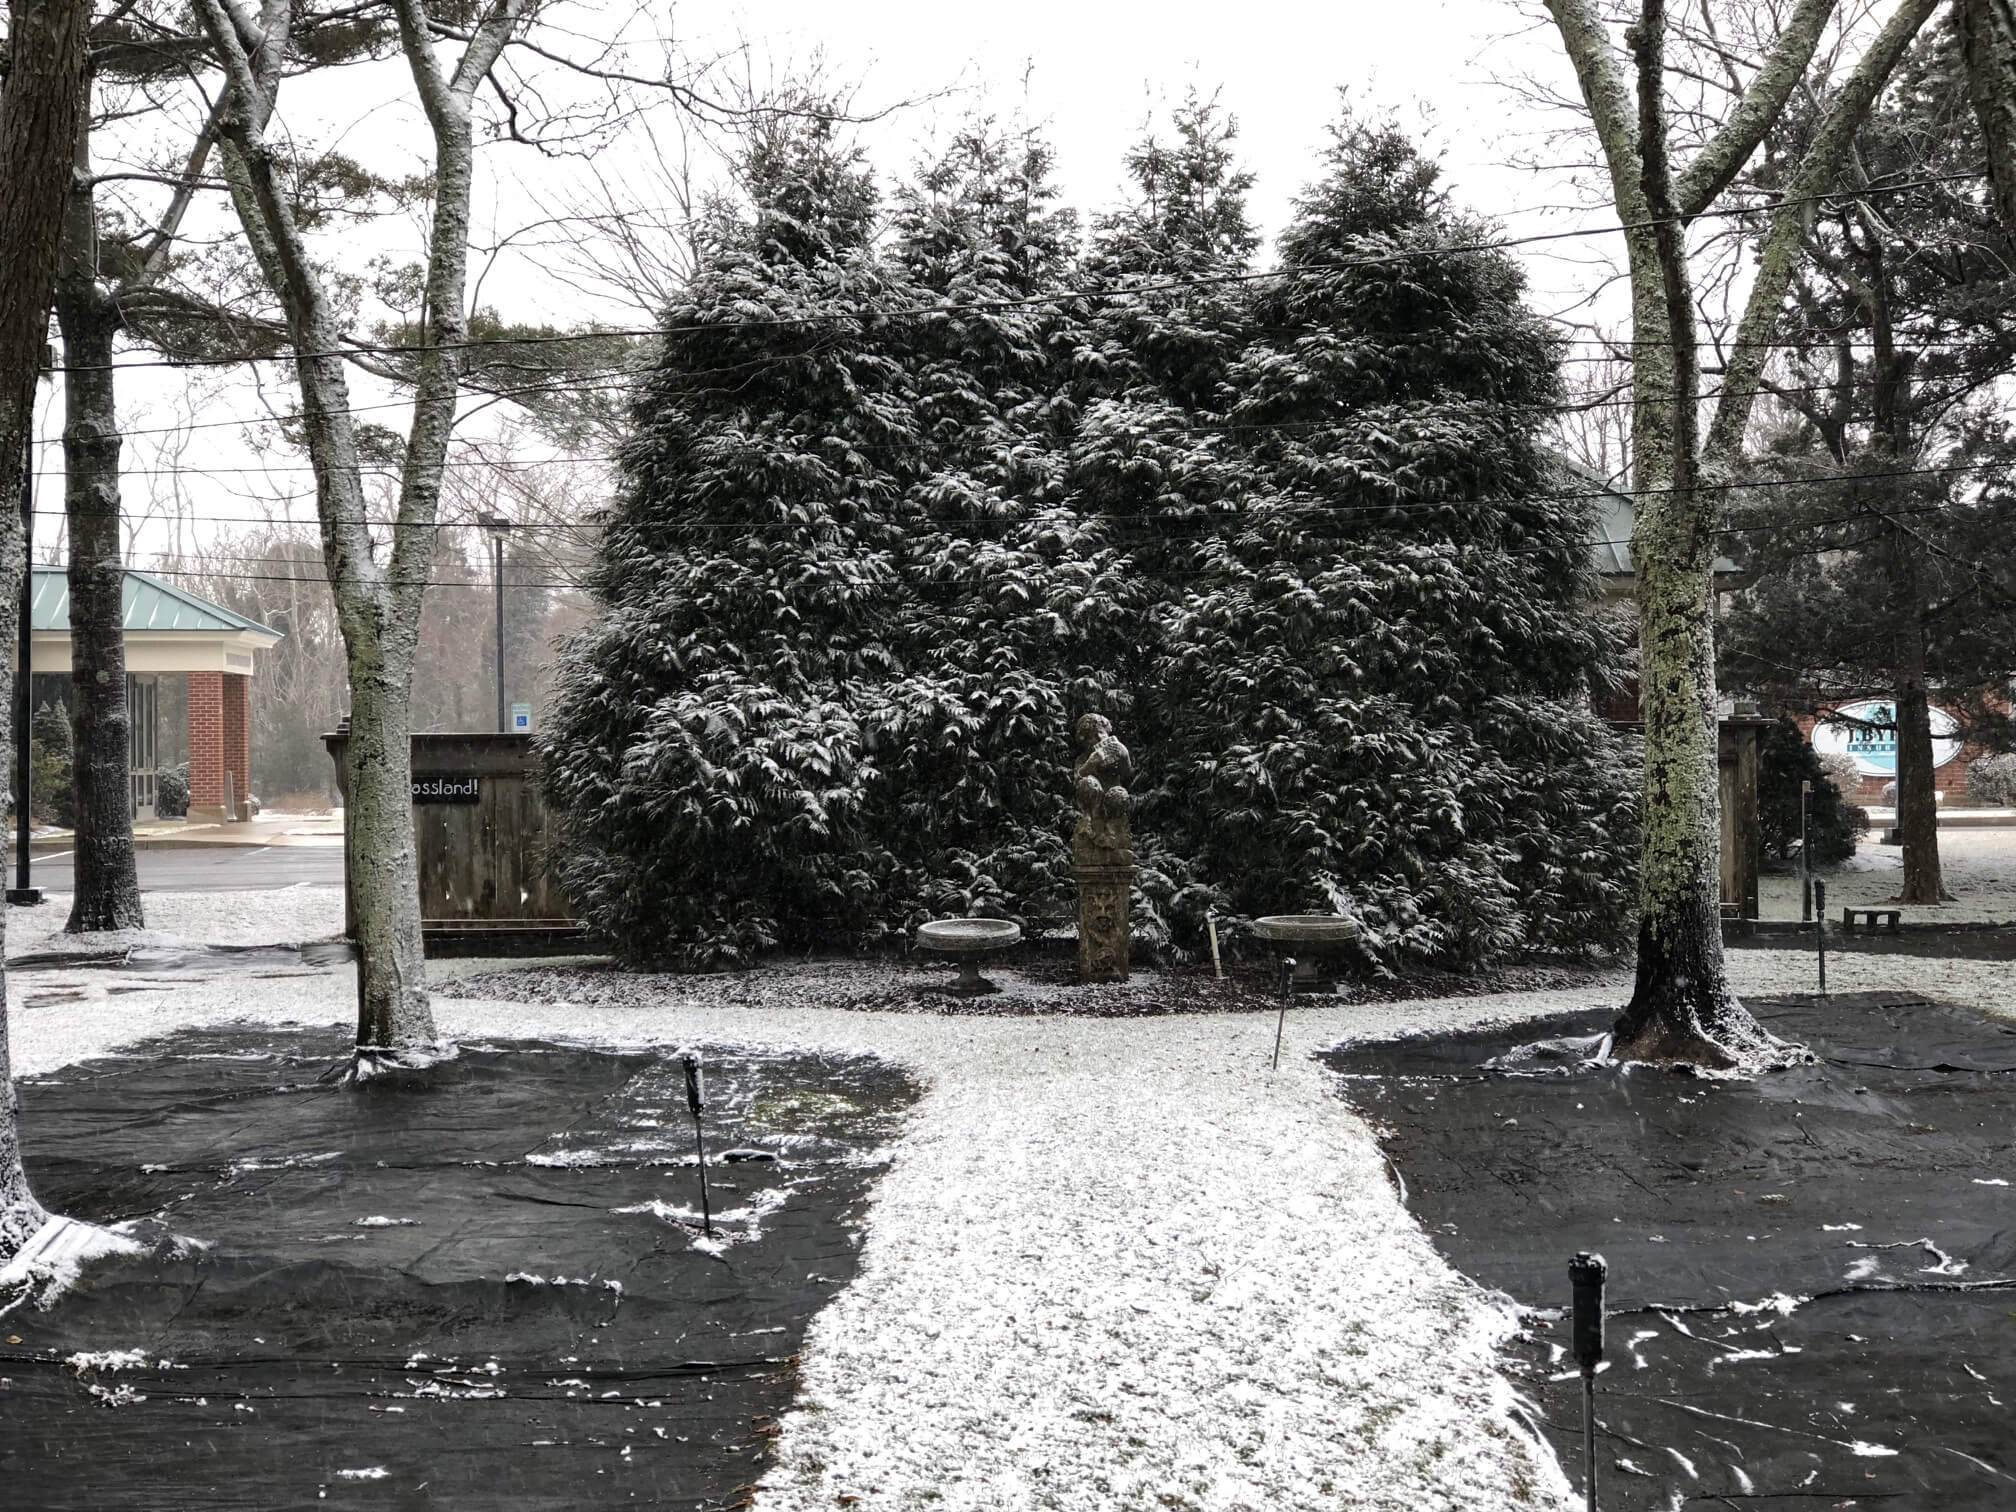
(1586,1276)
(696,1097)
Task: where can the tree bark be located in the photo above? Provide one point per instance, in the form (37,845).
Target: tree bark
(39,109)
(1682,1007)
(378,605)
(1917,800)
(1988,50)
(107,894)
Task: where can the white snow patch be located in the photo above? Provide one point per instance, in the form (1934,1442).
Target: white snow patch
(55,1256)
(378,1221)
(1871,1451)
(1989,1181)
(107,1359)
(371,1473)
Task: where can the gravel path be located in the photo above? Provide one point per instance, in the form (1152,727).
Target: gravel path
(1114,1264)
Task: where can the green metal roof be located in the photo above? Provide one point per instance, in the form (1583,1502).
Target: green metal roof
(148,604)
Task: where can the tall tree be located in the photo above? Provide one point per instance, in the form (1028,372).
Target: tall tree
(41,103)
(1376,664)
(1987,30)
(710,736)
(1682,1007)
(1899,334)
(378,602)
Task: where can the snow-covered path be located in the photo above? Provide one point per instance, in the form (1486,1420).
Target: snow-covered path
(1114,1264)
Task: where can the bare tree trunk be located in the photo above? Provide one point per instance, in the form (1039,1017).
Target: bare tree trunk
(377,605)
(107,894)
(384,863)
(1988,47)
(1917,802)
(39,110)
(1682,1007)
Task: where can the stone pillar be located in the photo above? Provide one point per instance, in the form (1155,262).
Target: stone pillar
(1105,920)
(206,743)
(237,737)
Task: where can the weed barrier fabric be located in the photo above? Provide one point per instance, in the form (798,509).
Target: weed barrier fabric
(1812,1274)
(486,1287)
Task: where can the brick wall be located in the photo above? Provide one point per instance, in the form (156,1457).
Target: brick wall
(237,731)
(206,740)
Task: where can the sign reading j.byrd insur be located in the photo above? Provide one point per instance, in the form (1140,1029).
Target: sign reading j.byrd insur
(1868,733)
(447,787)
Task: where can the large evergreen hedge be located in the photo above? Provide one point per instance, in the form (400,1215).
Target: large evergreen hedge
(899,507)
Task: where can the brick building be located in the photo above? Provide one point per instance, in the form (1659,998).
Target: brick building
(183,653)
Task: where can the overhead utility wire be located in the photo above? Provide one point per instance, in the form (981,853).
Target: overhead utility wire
(1030,301)
(1417,506)
(1211,574)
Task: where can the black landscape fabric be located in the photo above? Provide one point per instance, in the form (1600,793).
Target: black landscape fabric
(1812,1274)
(490,1291)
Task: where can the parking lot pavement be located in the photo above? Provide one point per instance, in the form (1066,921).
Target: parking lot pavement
(212,868)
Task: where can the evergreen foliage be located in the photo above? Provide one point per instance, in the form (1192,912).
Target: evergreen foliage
(1785,762)
(897,511)
(52,754)
(1991,780)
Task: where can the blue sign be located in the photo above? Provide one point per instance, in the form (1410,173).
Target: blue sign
(1867,733)
(521,718)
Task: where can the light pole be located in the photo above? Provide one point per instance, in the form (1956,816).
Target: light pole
(498,529)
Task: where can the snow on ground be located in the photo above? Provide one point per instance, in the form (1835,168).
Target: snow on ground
(261,916)
(1979,867)
(1114,1264)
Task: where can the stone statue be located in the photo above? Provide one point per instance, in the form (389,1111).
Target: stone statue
(1102,852)
(1103,805)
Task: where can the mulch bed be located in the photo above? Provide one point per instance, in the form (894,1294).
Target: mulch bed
(487,1290)
(1811,1272)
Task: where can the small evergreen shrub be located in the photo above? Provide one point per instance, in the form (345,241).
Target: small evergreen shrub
(1832,824)
(1843,773)
(171,792)
(51,754)
(1991,780)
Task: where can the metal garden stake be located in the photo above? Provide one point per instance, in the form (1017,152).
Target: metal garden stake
(1805,866)
(1820,930)
(1586,1274)
(695,1101)
(1281,1018)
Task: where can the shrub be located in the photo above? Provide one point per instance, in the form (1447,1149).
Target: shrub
(1992,780)
(1842,772)
(50,753)
(171,792)
(1786,761)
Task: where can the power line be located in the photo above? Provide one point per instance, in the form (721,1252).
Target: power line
(1031,301)
(1838,480)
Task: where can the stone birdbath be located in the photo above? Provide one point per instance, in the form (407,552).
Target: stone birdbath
(1313,940)
(969,941)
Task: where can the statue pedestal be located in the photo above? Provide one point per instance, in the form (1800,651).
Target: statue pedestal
(1105,925)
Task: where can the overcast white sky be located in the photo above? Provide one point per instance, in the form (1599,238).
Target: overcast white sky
(1091,74)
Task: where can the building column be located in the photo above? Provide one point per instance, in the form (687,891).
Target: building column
(237,710)
(206,743)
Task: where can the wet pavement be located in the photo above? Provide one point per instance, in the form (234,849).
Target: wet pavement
(487,1290)
(1813,1274)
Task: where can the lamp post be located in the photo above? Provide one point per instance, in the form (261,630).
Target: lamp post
(23,890)
(498,529)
